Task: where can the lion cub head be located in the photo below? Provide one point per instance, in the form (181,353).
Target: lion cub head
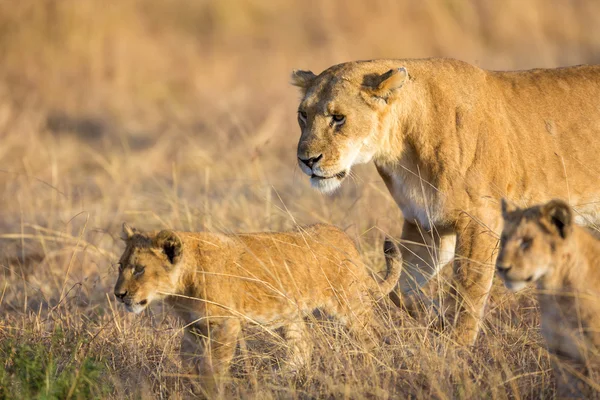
(341,117)
(532,241)
(148,268)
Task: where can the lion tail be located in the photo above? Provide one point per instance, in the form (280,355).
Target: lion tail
(393,261)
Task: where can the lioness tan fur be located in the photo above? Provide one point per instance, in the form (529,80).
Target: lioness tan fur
(542,244)
(449,140)
(218,282)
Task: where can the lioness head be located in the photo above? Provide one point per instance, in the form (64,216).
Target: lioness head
(531,240)
(148,268)
(342,114)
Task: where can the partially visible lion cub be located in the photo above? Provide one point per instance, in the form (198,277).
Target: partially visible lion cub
(219,282)
(542,244)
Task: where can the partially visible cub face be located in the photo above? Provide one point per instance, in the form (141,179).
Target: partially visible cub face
(531,240)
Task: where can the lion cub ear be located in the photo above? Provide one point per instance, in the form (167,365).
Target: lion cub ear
(169,243)
(383,85)
(128,232)
(560,215)
(302,79)
(508,207)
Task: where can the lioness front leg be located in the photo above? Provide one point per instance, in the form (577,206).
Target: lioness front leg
(473,276)
(424,255)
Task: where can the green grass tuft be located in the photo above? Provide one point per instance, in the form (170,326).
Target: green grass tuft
(51,369)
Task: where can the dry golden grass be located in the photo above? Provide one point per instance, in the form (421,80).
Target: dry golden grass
(178,114)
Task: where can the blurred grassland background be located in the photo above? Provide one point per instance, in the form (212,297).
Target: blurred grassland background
(179,114)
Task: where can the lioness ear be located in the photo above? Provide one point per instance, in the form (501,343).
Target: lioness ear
(560,215)
(508,207)
(170,244)
(128,232)
(383,85)
(302,79)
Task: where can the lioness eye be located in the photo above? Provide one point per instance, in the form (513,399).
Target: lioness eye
(139,270)
(338,119)
(525,244)
(120,265)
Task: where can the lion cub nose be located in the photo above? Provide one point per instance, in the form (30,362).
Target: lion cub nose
(120,294)
(311,161)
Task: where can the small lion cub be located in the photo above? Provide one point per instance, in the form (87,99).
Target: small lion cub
(219,282)
(542,244)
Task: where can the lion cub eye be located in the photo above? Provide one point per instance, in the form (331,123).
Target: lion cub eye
(525,243)
(338,119)
(139,270)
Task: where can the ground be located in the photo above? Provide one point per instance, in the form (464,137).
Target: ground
(179,114)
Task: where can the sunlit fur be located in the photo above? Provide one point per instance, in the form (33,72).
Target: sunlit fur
(449,139)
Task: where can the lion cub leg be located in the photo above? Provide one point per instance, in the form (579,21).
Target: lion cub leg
(361,324)
(299,346)
(207,349)
(355,311)
(192,353)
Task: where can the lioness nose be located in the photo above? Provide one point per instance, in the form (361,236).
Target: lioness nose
(311,161)
(121,294)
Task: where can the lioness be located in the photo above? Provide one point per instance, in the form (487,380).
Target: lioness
(541,244)
(219,282)
(449,140)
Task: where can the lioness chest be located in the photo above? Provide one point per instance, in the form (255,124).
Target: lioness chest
(419,200)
